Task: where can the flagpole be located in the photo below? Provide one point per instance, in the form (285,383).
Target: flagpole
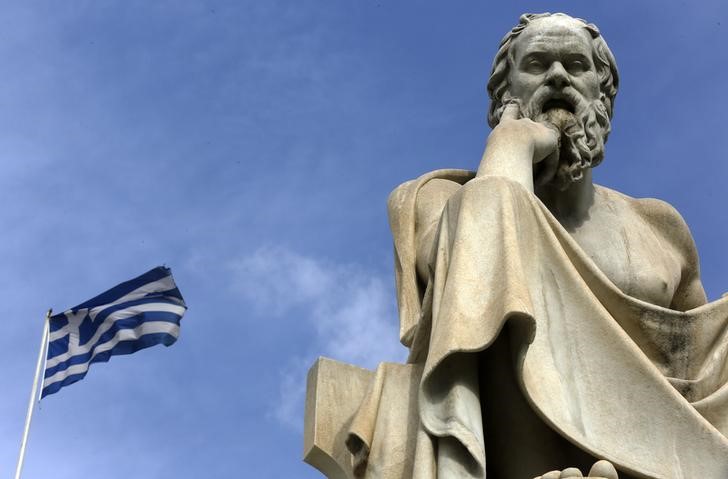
(33,391)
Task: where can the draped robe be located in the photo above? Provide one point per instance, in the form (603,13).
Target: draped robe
(614,377)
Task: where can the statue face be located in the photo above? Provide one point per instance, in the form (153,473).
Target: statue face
(553,67)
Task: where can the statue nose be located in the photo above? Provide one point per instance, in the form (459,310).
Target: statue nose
(557,76)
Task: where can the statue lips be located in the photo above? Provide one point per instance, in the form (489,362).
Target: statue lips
(557,102)
(566,99)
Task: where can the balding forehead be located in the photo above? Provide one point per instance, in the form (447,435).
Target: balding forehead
(555,32)
(556,20)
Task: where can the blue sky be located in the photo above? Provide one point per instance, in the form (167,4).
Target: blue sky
(251,146)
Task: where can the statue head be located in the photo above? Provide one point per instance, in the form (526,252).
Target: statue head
(559,70)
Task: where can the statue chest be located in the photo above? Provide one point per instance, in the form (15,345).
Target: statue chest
(640,262)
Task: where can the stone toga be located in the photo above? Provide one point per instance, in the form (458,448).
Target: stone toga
(521,346)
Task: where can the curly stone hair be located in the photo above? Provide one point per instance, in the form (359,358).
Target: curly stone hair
(603,58)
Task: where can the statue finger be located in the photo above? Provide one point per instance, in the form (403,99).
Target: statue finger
(570,472)
(552,475)
(603,469)
(511,112)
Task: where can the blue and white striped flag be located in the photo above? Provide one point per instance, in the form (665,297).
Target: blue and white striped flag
(131,316)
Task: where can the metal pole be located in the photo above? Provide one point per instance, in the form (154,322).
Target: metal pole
(31,403)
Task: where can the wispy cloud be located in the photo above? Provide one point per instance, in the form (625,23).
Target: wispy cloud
(288,406)
(352,311)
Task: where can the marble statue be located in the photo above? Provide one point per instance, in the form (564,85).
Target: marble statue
(555,326)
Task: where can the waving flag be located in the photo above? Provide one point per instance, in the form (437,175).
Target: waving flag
(134,315)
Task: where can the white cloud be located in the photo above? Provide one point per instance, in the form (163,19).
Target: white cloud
(276,279)
(288,408)
(351,310)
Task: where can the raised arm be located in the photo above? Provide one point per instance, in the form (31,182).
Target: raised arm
(515,145)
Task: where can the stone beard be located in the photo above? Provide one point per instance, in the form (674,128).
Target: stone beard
(584,128)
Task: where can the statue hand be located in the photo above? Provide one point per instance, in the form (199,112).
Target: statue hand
(515,145)
(600,470)
(543,138)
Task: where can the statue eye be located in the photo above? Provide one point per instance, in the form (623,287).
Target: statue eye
(577,66)
(534,65)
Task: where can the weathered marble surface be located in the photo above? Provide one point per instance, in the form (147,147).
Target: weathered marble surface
(551,322)
(335,392)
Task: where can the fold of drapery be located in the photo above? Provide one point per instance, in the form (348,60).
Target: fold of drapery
(401,206)
(605,370)
(386,426)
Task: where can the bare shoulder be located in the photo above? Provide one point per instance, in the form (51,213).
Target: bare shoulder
(660,215)
(668,225)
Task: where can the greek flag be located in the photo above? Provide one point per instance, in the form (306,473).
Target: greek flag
(131,316)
